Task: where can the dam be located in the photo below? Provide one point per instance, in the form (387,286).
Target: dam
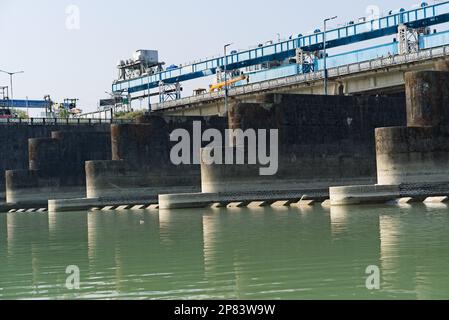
(314,165)
(325,141)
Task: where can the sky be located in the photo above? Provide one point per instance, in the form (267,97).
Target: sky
(70,57)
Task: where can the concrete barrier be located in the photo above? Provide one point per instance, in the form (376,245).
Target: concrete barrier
(427,96)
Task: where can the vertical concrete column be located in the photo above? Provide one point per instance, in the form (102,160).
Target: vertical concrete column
(442,65)
(427,94)
(254,116)
(142,145)
(44,154)
(418,153)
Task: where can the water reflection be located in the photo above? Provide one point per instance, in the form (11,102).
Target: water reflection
(23,254)
(356,245)
(181,244)
(414,251)
(257,253)
(121,249)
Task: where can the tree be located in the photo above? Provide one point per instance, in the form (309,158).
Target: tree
(63,113)
(19,113)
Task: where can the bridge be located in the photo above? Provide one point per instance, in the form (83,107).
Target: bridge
(426,16)
(297,64)
(384,76)
(305,48)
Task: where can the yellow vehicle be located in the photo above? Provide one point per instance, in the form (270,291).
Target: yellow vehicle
(219,86)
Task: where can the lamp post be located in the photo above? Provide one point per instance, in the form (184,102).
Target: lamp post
(324,52)
(112,110)
(11,74)
(226,76)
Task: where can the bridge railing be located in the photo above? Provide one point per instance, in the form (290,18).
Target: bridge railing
(104,114)
(59,121)
(354,68)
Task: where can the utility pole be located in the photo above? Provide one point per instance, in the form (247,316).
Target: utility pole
(225,62)
(325,54)
(11,74)
(149,95)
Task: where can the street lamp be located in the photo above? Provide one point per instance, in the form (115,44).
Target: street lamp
(226,76)
(324,52)
(11,74)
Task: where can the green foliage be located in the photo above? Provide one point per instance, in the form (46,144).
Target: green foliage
(128,115)
(19,113)
(63,113)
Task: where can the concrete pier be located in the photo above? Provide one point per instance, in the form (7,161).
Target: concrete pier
(427,96)
(407,155)
(412,161)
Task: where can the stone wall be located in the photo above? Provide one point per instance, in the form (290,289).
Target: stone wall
(56,166)
(141,167)
(323,141)
(14,144)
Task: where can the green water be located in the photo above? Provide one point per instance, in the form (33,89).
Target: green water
(267,253)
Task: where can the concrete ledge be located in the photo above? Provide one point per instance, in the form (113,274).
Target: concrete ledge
(263,198)
(437,200)
(63,205)
(187,200)
(352,195)
(4,207)
(22,207)
(400,194)
(45,189)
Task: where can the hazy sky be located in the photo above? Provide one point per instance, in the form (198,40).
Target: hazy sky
(81,63)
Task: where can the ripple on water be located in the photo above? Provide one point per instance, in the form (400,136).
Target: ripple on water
(263,253)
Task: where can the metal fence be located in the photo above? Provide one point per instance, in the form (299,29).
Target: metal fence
(59,121)
(105,114)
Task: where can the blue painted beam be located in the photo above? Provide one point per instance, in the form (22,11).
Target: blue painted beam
(21,104)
